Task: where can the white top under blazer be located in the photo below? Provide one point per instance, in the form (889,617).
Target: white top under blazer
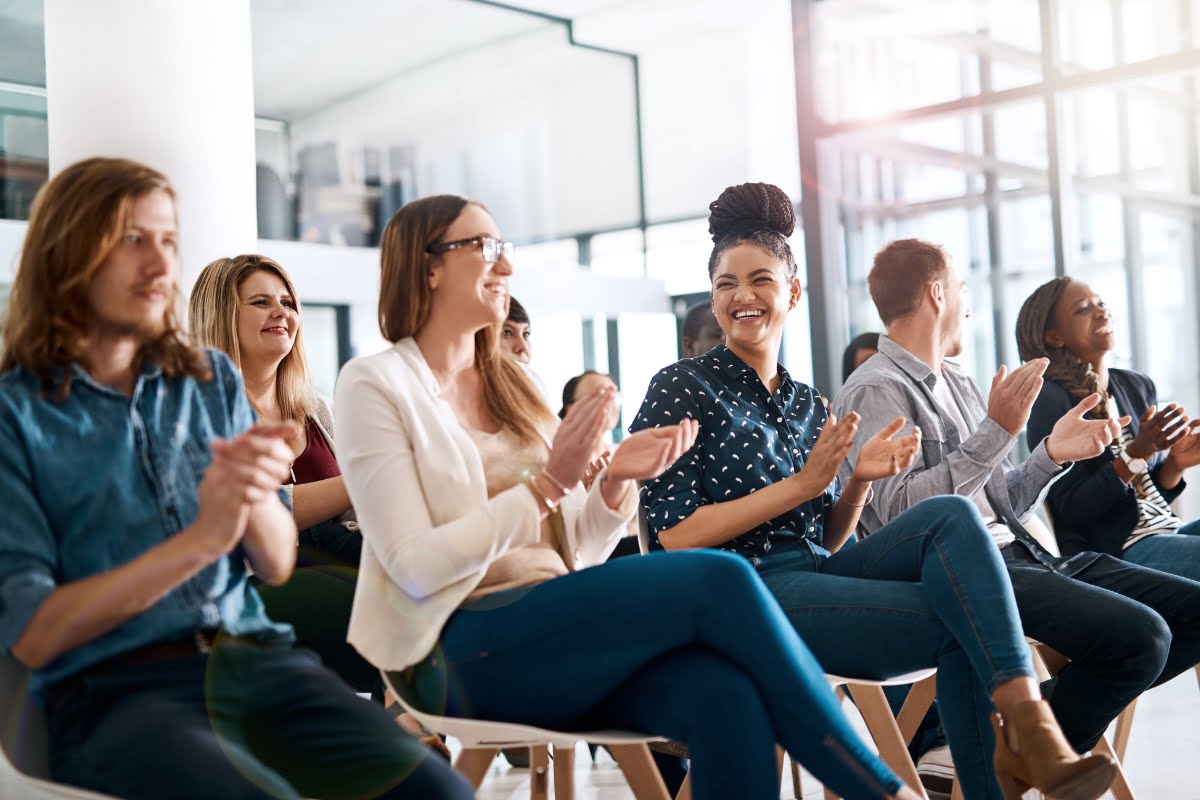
(417,484)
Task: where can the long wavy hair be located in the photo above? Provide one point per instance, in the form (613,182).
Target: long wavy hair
(1072,373)
(213,317)
(76,222)
(405,301)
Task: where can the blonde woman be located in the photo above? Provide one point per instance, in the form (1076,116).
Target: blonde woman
(482,586)
(247,307)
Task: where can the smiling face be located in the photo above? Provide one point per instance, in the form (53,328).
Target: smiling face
(464,285)
(1081,323)
(134,287)
(751,297)
(268,318)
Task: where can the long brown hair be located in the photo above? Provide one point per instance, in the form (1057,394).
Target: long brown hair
(1072,373)
(213,316)
(76,222)
(405,300)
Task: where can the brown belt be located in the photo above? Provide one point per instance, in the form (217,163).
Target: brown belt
(155,653)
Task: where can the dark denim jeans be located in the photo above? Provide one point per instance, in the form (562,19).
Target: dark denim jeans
(243,723)
(686,645)
(1125,628)
(926,590)
(1177,553)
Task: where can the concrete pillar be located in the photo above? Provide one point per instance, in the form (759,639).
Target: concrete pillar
(168,83)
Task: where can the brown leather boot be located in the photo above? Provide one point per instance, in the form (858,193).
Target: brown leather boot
(1044,760)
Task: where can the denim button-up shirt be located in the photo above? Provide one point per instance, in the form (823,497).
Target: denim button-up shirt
(749,438)
(893,383)
(93,481)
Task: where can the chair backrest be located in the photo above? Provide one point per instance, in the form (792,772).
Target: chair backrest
(22,725)
(1041,527)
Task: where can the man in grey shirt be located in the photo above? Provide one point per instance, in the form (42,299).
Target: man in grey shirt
(1124,627)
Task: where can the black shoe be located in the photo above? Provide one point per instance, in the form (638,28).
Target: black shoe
(516,756)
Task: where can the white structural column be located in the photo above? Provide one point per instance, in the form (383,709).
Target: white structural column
(168,83)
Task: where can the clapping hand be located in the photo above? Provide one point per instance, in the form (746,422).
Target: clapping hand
(1075,438)
(883,456)
(826,457)
(1158,430)
(1012,395)
(244,471)
(646,454)
(1185,452)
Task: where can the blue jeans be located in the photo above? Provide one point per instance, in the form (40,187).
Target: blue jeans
(690,646)
(1177,553)
(1125,628)
(242,723)
(926,590)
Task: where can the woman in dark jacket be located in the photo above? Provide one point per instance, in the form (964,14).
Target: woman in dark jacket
(1118,502)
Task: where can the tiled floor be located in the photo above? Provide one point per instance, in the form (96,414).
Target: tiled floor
(1163,762)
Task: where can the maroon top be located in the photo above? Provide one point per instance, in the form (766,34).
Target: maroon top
(317,462)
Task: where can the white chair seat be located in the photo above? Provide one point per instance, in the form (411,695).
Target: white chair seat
(22,730)
(488,736)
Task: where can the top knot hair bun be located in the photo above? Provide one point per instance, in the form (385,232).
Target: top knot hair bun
(749,208)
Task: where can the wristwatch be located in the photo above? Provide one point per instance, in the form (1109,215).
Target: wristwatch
(1136,465)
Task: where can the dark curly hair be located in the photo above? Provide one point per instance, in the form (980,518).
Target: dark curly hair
(1073,374)
(752,213)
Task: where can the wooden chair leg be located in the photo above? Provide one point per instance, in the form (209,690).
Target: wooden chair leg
(474,763)
(797,785)
(685,788)
(640,772)
(1120,785)
(956,793)
(1198,673)
(780,758)
(564,773)
(876,713)
(539,772)
(916,705)
(1120,740)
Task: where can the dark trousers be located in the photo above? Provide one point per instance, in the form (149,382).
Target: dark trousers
(690,646)
(1125,628)
(241,722)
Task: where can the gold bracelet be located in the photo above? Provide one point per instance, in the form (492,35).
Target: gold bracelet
(539,495)
(555,482)
(867,502)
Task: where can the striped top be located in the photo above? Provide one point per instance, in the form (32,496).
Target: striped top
(1154,513)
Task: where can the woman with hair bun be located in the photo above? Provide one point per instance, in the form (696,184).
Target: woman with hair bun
(1118,502)
(927,590)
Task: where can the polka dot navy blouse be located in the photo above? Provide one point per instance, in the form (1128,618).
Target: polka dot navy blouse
(748,439)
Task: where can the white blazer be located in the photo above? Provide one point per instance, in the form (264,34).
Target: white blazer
(417,484)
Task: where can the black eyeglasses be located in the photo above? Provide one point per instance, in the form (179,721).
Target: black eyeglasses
(491,247)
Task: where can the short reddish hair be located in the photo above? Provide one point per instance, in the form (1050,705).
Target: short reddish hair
(900,273)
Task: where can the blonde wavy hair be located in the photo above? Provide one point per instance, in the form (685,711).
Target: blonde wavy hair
(76,222)
(405,300)
(213,317)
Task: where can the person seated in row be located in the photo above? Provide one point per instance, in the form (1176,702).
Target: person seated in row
(136,487)
(861,348)
(247,308)
(478,590)
(927,591)
(1119,502)
(516,335)
(701,331)
(1125,628)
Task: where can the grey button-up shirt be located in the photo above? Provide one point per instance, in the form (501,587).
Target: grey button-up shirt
(895,383)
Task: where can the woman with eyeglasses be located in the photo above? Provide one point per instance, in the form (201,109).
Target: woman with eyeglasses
(478,587)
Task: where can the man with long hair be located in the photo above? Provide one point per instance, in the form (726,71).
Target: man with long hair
(137,487)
